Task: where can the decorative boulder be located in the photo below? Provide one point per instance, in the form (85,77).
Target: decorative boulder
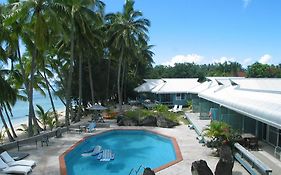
(164,123)
(148,121)
(148,171)
(226,162)
(125,121)
(200,167)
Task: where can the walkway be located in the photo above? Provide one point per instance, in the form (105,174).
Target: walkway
(265,154)
(48,157)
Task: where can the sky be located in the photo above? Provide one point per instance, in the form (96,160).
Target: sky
(209,31)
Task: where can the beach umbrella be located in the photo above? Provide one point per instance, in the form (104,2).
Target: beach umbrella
(97,108)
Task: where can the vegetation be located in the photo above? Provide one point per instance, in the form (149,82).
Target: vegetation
(46,118)
(158,110)
(65,41)
(220,133)
(77,52)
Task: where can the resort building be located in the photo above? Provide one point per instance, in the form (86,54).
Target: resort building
(168,91)
(249,105)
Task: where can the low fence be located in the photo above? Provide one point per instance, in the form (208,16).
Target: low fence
(42,137)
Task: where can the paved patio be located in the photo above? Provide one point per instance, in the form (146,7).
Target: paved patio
(48,157)
(265,153)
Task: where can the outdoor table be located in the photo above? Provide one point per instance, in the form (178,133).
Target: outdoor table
(250,140)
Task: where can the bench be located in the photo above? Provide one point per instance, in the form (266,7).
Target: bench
(244,154)
(277,151)
(28,141)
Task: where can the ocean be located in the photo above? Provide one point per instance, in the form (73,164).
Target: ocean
(20,110)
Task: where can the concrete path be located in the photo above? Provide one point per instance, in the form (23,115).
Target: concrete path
(265,154)
(47,158)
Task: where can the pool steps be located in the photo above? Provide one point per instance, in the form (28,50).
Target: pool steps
(136,171)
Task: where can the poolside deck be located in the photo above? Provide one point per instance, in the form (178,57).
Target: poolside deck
(48,157)
(265,154)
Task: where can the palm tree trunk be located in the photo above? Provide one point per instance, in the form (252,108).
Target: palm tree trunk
(6,126)
(108,77)
(118,81)
(77,119)
(30,99)
(123,78)
(26,84)
(68,88)
(10,122)
(50,96)
(57,96)
(91,81)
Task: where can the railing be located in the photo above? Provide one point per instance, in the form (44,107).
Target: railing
(254,162)
(277,151)
(43,138)
(136,171)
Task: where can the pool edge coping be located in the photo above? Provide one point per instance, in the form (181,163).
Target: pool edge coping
(179,157)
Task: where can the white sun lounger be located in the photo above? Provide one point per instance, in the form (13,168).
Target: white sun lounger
(92,152)
(5,168)
(178,109)
(173,109)
(106,155)
(11,162)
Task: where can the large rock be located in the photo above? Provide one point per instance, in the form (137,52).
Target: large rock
(148,171)
(200,167)
(226,162)
(148,121)
(126,121)
(165,123)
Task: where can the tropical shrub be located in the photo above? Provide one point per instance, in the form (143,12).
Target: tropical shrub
(23,128)
(46,118)
(161,108)
(220,133)
(189,104)
(158,111)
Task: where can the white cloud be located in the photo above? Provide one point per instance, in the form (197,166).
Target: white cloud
(246,3)
(246,62)
(265,59)
(190,58)
(223,59)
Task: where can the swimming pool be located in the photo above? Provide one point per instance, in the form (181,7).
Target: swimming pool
(132,148)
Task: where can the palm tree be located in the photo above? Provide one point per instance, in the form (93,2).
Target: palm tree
(36,25)
(8,97)
(77,14)
(126,29)
(45,117)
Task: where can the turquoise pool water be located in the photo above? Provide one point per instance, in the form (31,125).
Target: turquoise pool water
(132,148)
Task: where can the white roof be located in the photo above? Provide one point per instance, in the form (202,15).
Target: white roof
(263,84)
(175,85)
(256,98)
(148,85)
(211,82)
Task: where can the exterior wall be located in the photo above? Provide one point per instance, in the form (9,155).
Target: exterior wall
(195,103)
(146,95)
(237,121)
(172,99)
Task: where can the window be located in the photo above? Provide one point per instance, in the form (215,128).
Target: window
(166,98)
(178,96)
(273,132)
(183,96)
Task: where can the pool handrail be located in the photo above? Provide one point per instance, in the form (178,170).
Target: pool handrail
(136,171)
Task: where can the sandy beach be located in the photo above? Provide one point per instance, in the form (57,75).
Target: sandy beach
(22,134)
